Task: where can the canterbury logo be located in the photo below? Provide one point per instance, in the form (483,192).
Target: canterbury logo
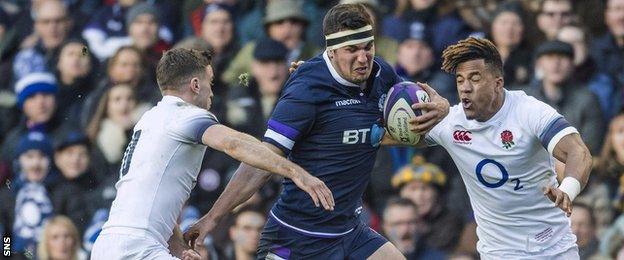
(462,136)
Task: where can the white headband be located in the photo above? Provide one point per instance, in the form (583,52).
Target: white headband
(349,37)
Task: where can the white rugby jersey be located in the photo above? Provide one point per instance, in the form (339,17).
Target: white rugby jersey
(159,169)
(504,163)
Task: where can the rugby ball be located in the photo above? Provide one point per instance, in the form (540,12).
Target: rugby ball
(398,110)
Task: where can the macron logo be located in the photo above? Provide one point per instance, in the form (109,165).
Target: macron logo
(347,102)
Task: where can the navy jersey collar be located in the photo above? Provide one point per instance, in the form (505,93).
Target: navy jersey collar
(339,78)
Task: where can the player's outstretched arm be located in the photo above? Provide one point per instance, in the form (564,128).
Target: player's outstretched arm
(250,150)
(436,110)
(246,181)
(578,161)
(178,248)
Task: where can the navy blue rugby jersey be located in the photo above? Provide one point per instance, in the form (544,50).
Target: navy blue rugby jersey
(328,126)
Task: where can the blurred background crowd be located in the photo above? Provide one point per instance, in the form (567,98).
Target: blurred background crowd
(75,76)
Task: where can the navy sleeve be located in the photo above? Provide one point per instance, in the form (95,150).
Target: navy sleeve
(292,118)
(554,132)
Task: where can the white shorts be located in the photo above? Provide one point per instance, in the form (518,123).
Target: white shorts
(117,246)
(565,249)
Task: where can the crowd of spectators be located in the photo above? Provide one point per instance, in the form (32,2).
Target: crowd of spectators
(76,75)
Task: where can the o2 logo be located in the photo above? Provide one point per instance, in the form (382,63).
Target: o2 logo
(503,171)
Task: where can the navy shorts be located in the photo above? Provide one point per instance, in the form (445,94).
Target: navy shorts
(279,242)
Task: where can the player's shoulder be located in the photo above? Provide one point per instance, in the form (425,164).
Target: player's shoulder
(520,95)
(385,71)
(311,71)
(183,111)
(307,79)
(384,66)
(524,104)
(197,112)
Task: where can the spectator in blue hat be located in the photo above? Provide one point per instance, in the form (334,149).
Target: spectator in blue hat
(33,154)
(26,204)
(36,98)
(72,158)
(248,108)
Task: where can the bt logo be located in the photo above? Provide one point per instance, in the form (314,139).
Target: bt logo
(376,133)
(355,136)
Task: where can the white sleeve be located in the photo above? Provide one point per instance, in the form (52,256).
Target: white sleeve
(190,129)
(432,138)
(546,123)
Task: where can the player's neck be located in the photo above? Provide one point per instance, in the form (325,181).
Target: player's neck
(184,96)
(496,107)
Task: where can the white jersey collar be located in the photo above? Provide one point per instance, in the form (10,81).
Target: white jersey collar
(171,99)
(335,74)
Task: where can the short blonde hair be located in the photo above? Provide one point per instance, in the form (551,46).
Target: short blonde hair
(42,247)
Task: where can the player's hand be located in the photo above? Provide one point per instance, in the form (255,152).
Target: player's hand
(560,198)
(190,254)
(435,111)
(316,189)
(197,232)
(294,65)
